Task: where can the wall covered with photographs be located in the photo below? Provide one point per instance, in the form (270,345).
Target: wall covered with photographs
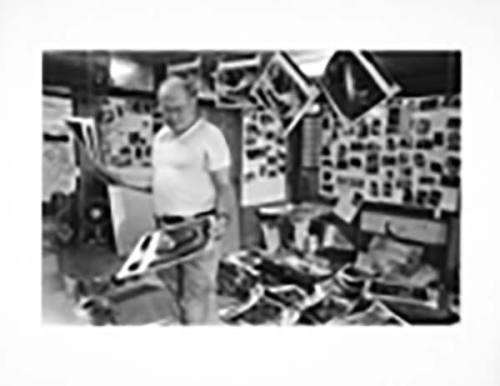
(275,103)
(374,147)
(406,151)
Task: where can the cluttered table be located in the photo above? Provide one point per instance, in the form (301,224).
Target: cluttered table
(290,290)
(309,272)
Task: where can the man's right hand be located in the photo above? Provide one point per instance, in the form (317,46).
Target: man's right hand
(111,176)
(95,167)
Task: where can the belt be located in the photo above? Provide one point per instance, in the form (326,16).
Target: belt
(168,219)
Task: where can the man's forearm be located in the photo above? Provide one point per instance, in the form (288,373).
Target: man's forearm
(137,181)
(112,176)
(226,201)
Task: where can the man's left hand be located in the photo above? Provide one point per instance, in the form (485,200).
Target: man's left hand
(219,227)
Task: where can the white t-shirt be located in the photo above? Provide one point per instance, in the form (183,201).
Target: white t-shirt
(182,184)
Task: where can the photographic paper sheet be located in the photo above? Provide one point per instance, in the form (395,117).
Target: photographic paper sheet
(132,216)
(59,170)
(85,133)
(345,209)
(376,314)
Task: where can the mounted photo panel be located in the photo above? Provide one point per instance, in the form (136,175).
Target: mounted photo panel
(234,80)
(284,89)
(126,128)
(354,84)
(263,159)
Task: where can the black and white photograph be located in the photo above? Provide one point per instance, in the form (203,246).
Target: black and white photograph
(329,199)
(290,193)
(354,84)
(284,88)
(234,80)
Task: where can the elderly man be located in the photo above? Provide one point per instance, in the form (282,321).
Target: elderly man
(190,178)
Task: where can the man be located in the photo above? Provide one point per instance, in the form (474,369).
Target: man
(190,177)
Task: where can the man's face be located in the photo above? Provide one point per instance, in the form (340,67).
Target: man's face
(178,108)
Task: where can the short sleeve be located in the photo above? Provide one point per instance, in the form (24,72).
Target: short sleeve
(218,154)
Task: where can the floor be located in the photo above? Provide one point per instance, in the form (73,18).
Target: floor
(59,309)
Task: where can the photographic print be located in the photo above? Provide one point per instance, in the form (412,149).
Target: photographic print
(288,199)
(353,84)
(285,90)
(234,80)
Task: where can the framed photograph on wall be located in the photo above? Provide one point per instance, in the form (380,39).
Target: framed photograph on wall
(234,80)
(283,88)
(353,84)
